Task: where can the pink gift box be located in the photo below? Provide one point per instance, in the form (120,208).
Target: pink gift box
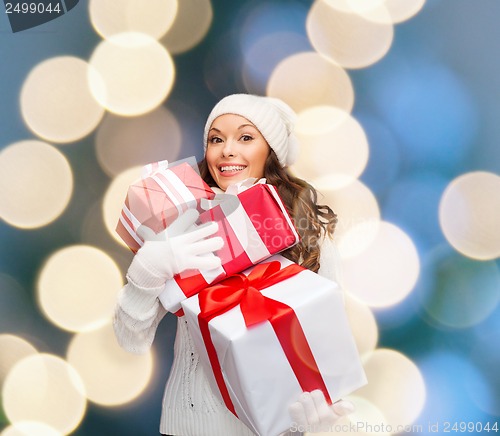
(158,198)
(254,225)
(269,334)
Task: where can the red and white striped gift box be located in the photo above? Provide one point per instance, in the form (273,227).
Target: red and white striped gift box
(163,192)
(254,226)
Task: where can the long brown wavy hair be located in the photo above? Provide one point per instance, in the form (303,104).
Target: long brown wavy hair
(300,199)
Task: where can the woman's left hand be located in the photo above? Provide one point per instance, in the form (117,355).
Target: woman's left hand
(314,414)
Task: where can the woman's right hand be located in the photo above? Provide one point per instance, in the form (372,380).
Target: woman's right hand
(181,246)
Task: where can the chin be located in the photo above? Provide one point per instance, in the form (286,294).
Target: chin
(223,182)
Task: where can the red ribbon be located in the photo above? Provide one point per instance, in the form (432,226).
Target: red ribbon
(256,308)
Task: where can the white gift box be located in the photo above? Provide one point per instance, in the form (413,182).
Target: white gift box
(254,368)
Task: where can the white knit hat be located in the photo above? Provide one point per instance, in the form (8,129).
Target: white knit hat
(273,118)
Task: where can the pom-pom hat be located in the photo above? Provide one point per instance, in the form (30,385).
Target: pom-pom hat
(274,119)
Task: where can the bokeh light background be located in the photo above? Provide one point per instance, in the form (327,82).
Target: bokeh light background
(398,120)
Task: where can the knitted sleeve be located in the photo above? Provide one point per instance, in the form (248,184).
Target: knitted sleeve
(138,311)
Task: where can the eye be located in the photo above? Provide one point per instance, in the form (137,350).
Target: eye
(214,140)
(246,138)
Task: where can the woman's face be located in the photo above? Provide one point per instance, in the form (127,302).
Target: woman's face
(236,150)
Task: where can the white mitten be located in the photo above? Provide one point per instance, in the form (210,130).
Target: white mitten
(313,413)
(181,246)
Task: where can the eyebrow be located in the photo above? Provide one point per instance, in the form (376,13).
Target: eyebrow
(239,128)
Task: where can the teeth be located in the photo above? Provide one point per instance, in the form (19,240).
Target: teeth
(232,168)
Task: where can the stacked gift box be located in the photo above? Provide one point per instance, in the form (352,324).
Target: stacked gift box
(266,329)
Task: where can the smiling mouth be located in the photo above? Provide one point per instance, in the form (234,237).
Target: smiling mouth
(231,168)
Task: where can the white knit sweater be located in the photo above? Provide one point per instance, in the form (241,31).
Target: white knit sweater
(189,406)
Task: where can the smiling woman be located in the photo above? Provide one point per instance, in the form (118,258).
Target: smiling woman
(236,150)
(246,137)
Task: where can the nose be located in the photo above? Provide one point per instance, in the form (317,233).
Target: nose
(229,149)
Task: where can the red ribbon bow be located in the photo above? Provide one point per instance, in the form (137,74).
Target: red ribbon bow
(256,308)
(245,291)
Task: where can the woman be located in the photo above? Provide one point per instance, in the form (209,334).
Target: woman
(246,136)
